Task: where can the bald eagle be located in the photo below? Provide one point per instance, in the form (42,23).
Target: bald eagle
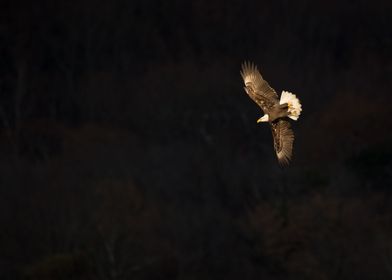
(276,111)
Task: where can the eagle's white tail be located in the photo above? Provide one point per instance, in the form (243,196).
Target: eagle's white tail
(295,107)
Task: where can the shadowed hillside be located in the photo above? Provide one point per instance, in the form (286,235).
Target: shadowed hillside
(129,149)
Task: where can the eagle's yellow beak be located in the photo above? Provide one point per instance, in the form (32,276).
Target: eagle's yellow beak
(263,119)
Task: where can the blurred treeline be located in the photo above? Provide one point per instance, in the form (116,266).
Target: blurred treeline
(129,149)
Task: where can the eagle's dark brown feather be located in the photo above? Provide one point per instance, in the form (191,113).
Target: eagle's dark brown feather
(283,137)
(257,88)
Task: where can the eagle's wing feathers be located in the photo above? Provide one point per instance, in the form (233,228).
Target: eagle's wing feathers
(283,138)
(257,88)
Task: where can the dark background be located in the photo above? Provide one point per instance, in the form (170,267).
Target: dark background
(129,149)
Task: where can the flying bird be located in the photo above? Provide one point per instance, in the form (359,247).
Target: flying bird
(276,112)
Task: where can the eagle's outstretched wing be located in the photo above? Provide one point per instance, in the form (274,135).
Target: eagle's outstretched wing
(257,88)
(283,140)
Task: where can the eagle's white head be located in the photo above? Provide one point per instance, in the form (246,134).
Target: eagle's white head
(264,118)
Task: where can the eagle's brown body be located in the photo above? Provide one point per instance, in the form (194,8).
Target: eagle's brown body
(276,113)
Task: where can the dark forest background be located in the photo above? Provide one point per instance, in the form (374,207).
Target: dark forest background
(129,149)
